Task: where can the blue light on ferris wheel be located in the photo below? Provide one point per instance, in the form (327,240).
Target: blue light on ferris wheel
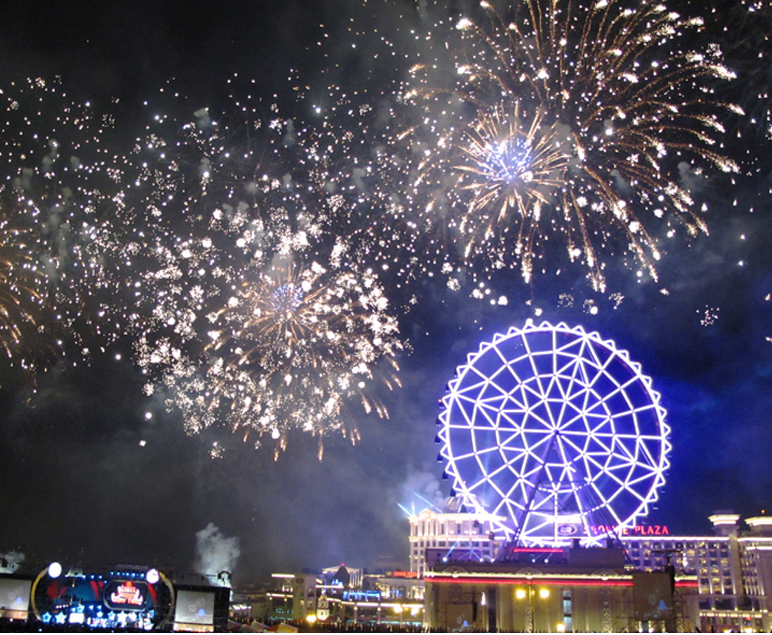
(557,431)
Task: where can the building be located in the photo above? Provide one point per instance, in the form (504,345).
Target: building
(294,596)
(377,599)
(729,572)
(459,534)
(562,589)
(733,568)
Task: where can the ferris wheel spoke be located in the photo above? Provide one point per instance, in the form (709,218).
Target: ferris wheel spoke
(588,443)
(650,450)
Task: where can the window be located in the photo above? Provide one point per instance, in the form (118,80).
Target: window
(568,611)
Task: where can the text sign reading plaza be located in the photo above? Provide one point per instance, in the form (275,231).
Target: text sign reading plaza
(638,530)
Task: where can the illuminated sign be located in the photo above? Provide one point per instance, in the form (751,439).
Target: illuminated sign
(362,596)
(404,574)
(125,594)
(638,530)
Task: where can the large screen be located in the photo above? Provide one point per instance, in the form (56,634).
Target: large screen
(125,595)
(653,596)
(194,610)
(14,598)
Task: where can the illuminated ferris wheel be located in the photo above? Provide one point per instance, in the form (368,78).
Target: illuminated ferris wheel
(557,431)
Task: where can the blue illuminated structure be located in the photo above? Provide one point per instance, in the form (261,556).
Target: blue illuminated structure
(556,430)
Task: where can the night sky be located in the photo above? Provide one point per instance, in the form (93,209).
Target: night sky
(86,478)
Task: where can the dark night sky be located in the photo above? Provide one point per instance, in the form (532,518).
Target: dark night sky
(75,483)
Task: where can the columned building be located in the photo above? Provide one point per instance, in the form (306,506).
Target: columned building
(457,533)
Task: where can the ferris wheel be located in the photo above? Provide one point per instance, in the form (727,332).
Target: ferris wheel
(556,431)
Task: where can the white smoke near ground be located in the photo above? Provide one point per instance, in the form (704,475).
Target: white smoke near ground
(216,554)
(10,561)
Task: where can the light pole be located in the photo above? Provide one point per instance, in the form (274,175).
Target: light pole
(528,593)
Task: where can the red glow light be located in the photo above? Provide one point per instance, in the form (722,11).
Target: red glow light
(548,582)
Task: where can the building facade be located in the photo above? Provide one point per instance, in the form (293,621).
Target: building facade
(395,598)
(458,534)
(733,568)
(559,590)
(729,571)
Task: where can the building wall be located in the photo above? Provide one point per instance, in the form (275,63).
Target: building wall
(538,604)
(733,568)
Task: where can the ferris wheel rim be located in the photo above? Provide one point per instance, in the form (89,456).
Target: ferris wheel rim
(645,463)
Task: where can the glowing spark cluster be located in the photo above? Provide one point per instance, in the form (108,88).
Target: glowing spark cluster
(20,289)
(709,315)
(60,180)
(251,312)
(287,349)
(563,120)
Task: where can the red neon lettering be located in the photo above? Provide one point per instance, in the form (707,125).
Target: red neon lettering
(643,530)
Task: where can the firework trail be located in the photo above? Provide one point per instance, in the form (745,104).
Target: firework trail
(21,285)
(289,351)
(564,121)
(748,25)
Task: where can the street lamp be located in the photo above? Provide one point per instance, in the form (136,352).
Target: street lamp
(529,592)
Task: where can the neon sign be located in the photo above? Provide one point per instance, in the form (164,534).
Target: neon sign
(638,530)
(362,596)
(404,574)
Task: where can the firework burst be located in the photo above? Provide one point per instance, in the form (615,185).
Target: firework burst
(250,311)
(22,294)
(59,188)
(289,349)
(564,119)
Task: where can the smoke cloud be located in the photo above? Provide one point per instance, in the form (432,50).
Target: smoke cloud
(422,490)
(216,553)
(10,561)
